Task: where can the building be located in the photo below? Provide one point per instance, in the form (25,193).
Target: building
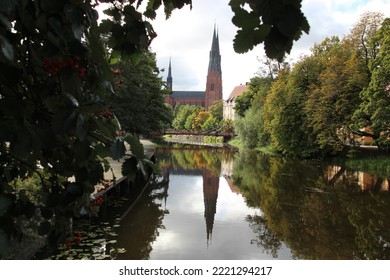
(228,105)
(213,90)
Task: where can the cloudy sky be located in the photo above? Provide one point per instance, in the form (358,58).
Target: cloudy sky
(186,38)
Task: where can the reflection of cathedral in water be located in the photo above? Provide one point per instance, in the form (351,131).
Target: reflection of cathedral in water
(210,191)
(210,196)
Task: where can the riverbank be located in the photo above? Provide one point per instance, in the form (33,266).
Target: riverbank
(202,140)
(366,158)
(268,150)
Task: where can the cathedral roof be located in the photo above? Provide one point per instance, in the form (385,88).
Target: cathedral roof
(188,94)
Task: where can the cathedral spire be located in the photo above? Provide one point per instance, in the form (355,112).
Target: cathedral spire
(169,78)
(214,75)
(215,56)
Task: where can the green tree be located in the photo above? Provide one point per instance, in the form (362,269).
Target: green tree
(182,115)
(138,102)
(274,108)
(250,126)
(243,103)
(362,35)
(332,102)
(53,113)
(199,120)
(211,124)
(257,90)
(54,84)
(286,119)
(374,111)
(269,68)
(216,110)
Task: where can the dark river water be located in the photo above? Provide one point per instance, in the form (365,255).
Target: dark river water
(213,203)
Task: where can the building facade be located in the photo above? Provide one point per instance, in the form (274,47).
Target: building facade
(213,90)
(228,104)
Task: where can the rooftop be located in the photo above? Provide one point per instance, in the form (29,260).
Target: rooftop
(188,94)
(237,91)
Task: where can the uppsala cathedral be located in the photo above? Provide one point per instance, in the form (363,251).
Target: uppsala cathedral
(213,90)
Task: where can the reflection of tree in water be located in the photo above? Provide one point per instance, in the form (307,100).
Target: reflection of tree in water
(372,223)
(194,158)
(249,171)
(266,240)
(315,216)
(141,227)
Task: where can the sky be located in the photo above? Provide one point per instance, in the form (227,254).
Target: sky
(187,35)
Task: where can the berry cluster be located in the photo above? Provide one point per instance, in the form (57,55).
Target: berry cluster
(95,204)
(54,66)
(73,241)
(117,72)
(106,114)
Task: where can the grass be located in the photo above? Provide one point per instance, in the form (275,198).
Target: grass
(236,143)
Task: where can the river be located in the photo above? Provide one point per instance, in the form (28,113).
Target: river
(214,203)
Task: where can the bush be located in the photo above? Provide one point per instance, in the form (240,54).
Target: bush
(218,140)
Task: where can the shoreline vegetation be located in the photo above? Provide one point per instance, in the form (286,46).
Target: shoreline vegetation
(355,158)
(368,160)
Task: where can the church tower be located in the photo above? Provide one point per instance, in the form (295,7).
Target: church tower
(169,78)
(214,75)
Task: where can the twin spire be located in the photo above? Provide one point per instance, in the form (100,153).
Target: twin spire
(215,56)
(169,78)
(214,61)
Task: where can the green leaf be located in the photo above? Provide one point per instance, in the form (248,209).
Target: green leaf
(10,75)
(290,25)
(4,205)
(74,188)
(96,173)
(82,152)
(106,165)
(129,168)
(143,169)
(46,213)
(115,122)
(136,147)
(6,22)
(151,8)
(52,6)
(6,6)
(75,16)
(245,19)
(118,149)
(4,244)
(100,151)
(44,228)
(105,26)
(246,39)
(276,45)
(155,167)
(56,26)
(6,48)
(81,127)
(234,4)
(72,99)
(64,121)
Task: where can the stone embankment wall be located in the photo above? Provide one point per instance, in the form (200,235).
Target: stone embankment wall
(204,140)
